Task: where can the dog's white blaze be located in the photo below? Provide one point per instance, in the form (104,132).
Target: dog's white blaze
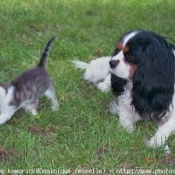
(128,37)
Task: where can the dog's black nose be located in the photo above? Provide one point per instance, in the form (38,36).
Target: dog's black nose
(113,63)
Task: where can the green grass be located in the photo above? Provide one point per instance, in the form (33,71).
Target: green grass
(83,134)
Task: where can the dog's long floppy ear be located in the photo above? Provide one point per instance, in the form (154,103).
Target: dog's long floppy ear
(153,82)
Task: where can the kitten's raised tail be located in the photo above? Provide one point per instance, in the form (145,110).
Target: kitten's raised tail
(45,54)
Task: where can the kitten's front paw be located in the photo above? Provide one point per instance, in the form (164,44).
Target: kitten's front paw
(55,107)
(32,111)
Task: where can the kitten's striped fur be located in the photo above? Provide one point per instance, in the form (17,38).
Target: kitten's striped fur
(24,91)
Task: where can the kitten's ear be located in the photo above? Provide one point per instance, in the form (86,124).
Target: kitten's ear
(2,92)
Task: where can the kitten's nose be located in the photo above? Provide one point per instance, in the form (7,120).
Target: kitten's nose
(113,63)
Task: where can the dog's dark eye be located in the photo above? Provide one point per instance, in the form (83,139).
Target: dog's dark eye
(131,59)
(133,55)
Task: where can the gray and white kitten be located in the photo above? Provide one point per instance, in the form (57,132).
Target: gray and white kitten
(24,91)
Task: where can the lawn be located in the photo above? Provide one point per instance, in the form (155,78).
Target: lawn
(82,137)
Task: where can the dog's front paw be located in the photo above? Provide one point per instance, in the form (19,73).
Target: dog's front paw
(128,124)
(156,141)
(113,108)
(103,87)
(130,129)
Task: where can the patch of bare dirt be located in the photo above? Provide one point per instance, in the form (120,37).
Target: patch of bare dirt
(6,155)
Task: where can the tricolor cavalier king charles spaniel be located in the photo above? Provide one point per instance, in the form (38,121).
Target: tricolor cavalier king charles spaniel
(141,71)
